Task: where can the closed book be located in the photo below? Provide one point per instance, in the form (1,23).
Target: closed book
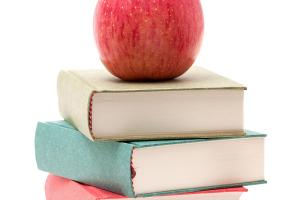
(147,168)
(198,104)
(59,188)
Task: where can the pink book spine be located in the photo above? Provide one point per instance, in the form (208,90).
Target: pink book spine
(59,188)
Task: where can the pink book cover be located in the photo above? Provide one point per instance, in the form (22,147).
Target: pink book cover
(59,188)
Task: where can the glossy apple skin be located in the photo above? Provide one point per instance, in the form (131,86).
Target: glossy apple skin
(148,40)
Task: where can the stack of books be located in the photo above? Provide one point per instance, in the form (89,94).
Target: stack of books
(177,139)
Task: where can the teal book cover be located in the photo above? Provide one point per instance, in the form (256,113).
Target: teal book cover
(62,150)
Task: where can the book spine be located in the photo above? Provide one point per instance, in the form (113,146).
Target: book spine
(74,99)
(58,188)
(65,152)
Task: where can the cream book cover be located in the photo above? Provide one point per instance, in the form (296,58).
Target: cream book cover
(198,104)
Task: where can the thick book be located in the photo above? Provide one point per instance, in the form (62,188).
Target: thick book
(198,104)
(147,168)
(59,188)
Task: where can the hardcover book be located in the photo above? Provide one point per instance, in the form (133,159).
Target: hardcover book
(59,188)
(198,104)
(150,168)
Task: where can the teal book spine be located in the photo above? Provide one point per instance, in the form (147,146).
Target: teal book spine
(63,151)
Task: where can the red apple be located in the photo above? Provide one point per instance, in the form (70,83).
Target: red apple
(148,39)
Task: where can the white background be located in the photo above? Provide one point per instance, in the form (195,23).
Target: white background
(254,42)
